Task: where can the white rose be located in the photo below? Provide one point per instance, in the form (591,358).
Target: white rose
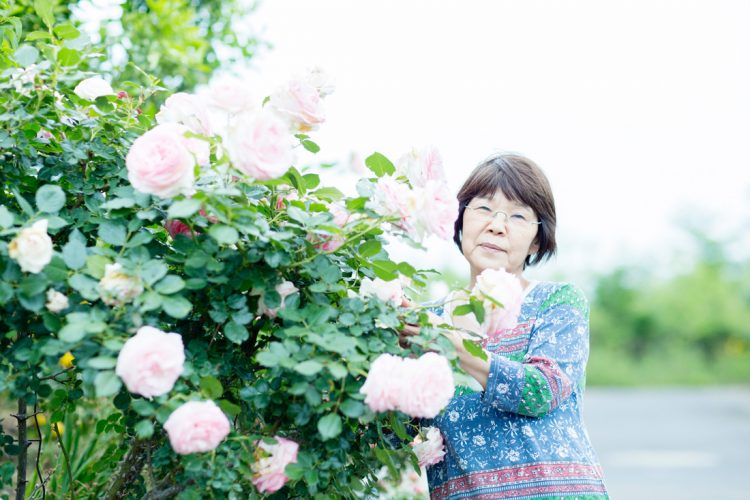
(321,81)
(32,247)
(118,288)
(387,291)
(56,301)
(91,88)
(284,289)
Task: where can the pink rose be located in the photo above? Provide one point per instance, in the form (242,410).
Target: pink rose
(383,385)
(431,449)
(151,361)
(186,109)
(196,426)
(260,145)
(429,385)
(439,210)
(282,199)
(421,167)
(333,242)
(299,104)
(394,199)
(284,289)
(387,291)
(160,163)
(270,462)
(418,387)
(498,286)
(230,94)
(175,227)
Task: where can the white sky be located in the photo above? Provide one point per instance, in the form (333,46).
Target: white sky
(636,110)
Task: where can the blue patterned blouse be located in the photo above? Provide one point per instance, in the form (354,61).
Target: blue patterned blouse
(523,436)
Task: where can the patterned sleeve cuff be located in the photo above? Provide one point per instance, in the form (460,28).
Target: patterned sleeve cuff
(505,383)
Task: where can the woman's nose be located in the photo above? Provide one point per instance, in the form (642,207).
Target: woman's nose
(498,224)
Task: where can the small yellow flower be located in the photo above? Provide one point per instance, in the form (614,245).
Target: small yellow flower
(41,419)
(66,360)
(57,429)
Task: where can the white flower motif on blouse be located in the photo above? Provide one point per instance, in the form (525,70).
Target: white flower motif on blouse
(453,416)
(572,433)
(526,429)
(503,388)
(479,440)
(513,455)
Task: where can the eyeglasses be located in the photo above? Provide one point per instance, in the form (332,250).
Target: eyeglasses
(516,219)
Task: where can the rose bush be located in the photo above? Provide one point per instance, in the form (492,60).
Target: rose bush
(176,356)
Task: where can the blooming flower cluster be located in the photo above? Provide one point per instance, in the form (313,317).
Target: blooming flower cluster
(429,450)
(419,387)
(425,205)
(501,294)
(258,140)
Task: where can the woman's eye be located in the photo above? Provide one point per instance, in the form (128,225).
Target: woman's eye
(518,217)
(485,209)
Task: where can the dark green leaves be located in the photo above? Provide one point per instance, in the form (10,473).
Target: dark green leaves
(329,426)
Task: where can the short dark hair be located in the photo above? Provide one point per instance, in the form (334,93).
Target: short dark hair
(520,180)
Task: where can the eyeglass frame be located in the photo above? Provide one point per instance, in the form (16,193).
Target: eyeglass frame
(506,214)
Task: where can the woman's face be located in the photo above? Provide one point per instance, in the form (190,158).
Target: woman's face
(490,240)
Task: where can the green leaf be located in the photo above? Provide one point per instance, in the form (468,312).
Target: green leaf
(398,427)
(478,308)
(309,367)
(379,164)
(152,271)
(352,408)
(184,208)
(225,235)
(235,332)
(311,180)
(144,429)
(385,269)
(26,55)
(72,332)
(66,31)
(6,217)
(338,370)
(463,310)
(310,146)
(95,265)
(211,387)
(102,362)
(176,306)
(38,35)
(112,232)
(68,57)
(370,248)
(142,407)
(231,409)
(329,426)
(475,349)
(45,10)
(117,203)
(6,292)
(328,194)
(85,286)
(25,206)
(170,284)
(74,254)
(107,384)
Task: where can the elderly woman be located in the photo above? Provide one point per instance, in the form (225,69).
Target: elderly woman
(519,433)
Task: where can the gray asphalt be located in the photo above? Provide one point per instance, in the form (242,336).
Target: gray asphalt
(687,444)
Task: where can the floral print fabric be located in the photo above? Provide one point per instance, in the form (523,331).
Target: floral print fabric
(523,436)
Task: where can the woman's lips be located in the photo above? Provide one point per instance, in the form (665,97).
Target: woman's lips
(492,248)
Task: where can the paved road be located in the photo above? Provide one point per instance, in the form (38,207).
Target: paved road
(687,444)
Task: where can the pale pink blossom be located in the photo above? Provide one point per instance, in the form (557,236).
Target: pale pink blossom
(284,197)
(319,79)
(196,426)
(188,110)
(383,386)
(160,163)
(429,384)
(230,94)
(118,287)
(284,289)
(334,242)
(91,88)
(175,226)
(431,449)
(32,247)
(422,166)
(387,291)
(300,104)
(498,286)
(260,145)
(151,361)
(439,210)
(270,462)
